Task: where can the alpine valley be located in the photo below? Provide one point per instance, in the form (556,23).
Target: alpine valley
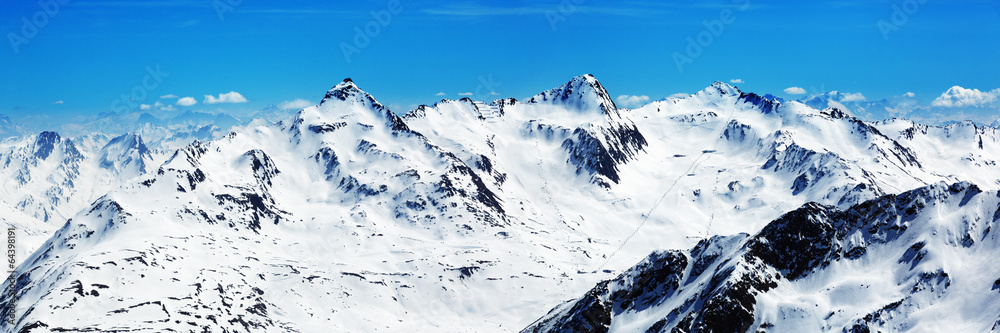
(721,211)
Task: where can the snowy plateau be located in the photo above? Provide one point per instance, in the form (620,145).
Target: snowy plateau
(721,211)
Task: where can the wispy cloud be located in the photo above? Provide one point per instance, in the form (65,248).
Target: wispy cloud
(230,97)
(323,12)
(855,97)
(168,96)
(481,10)
(465,94)
(632,101)
(295,104)
(736,81)
(59,102)
(625,9)
(188,23)
(795,91)
(147,4)
(440,94)
(159,106)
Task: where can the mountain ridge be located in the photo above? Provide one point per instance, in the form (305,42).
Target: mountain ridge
(345,212)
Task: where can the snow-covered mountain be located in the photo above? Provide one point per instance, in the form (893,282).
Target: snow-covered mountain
(164,133)
(8,128)
(917,261)
(461,216)
(29,233)
(51,178)
(854,103)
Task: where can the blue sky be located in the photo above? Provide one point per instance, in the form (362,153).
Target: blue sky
(86,55)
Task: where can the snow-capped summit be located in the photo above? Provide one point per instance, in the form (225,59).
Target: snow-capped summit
(345,99)
(583,94)
(719,88)
(348,91)
(126,155)
(346,105)
(47,142)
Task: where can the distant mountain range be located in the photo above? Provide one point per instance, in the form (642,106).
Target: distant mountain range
(903,107)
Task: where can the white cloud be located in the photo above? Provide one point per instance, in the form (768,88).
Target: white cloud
(187,101)
(631,101)
(855,97)
(159,106)
(494,93)
(902,105)
(795,91)
(962,97)
(736,81)
(440,94)
(465,94)
(230,97)
(169,96)
(58,102)
(295,104)
(679,95)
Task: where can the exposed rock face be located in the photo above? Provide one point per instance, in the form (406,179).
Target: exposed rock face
(731,284)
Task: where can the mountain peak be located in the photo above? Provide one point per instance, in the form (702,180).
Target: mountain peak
(124,151)
(342,90)
(583,92)
(348,91)
(346,99)
(722,89)
(45,143)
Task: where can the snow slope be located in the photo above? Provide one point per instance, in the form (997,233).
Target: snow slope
(348,217)
(914,262)
(29,233)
